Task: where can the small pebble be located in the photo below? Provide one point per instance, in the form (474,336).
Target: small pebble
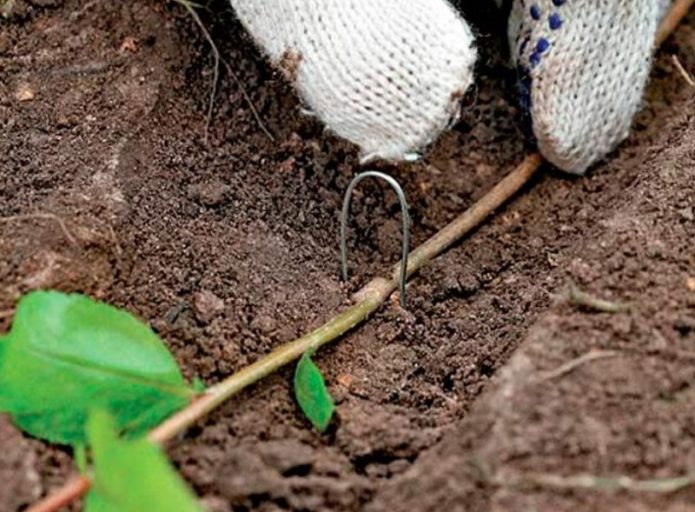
(265,324)
(24,93)
(207,305)
(213,193)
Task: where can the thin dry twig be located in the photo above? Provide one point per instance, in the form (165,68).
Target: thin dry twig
(586,300)
(34,216)
(190,7)
(248,100)
(681,69)
(598,483)
(215,55)
(570,366)
(8,313)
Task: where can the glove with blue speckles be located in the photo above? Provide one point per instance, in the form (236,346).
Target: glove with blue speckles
(583,66)
(388,75)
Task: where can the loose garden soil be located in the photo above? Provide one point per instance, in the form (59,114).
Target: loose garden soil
(228,247)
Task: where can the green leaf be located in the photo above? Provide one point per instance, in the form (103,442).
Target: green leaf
(198,385)
(80,456)
(67,355)
(132,476)
(312,394)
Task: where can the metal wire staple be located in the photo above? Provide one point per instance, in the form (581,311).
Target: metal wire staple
(406,226)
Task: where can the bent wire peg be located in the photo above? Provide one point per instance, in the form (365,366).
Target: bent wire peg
(406,226)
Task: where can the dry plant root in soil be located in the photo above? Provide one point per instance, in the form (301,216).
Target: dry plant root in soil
(368,300)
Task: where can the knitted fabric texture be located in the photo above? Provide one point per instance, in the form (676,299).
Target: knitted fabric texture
(385,74)
(583,66)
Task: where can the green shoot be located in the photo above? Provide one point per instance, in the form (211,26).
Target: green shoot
(312,394)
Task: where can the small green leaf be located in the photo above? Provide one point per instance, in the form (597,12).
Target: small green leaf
(312,394)
(132,476)
(67,355)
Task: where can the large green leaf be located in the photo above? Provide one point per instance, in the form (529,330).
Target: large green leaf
(132,476)
(312,394)
(67,354)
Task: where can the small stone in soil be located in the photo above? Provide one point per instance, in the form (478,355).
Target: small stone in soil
(207,305)
(24,93)
(212,193)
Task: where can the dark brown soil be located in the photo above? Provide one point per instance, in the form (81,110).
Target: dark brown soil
(228,247)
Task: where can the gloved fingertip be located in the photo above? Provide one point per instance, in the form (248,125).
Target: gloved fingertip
(387,76)
(583,69)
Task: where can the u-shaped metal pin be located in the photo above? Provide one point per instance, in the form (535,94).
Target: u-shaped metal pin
(406,226)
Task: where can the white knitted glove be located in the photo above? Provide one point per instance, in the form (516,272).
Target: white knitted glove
(384,74)
(388,74)
(583,65)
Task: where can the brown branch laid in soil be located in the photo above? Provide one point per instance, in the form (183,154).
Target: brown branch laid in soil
(681,69)
(597,483)
(8,313)
(570,366)
(34,216)
(678,11)
(585,300)
(369,299)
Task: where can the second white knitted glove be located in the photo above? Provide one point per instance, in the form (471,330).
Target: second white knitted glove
(583,66)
